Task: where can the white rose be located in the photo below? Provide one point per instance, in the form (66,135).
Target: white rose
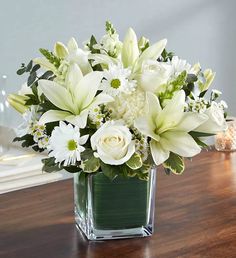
(154,74)
(113,143)
(216,121)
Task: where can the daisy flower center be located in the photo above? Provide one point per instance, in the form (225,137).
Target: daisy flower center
(72,145)
(115,83)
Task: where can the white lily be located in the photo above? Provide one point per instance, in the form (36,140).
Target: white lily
(130,55)
(76,99)
(169,127)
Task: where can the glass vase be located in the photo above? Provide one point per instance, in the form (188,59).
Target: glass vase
(112,209)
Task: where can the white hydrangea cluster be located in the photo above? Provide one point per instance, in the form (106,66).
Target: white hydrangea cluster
(127,107)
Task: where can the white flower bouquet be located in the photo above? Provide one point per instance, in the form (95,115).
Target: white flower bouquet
(116,107)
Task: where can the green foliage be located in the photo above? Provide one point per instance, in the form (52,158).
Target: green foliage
(49,165)
(93,50)
(50,57)
(173,86)
(27,140)
(179,81)
(166,56)
(91,44)
(174,163)
(72,169)
(200,134)
(90,165)
(29,68)
(110,28)
(197,135)
(135,162)
(109,170)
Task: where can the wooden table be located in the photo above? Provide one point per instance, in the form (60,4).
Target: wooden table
(195,217)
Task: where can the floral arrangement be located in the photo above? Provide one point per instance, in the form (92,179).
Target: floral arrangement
(116,107)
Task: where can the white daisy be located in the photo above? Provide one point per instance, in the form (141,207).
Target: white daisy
(179,65)
(65,144)
(116,80)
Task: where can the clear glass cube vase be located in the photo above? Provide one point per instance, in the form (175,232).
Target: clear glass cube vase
(113,209)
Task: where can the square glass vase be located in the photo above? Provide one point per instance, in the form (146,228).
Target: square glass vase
(113,209)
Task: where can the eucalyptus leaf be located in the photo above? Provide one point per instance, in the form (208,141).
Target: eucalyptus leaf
(35,68)
(29,66)
(20,71)
(31,78)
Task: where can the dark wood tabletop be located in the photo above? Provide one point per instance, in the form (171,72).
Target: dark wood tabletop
(195,217)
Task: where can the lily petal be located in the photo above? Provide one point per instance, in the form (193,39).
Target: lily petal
(87,89)
(180,143)
(152,52)
(154,107)
(191,120)
(52,116)
(146,127)
(79,120)
(72,45)
(73,77)
(101,99)
(172,113)
(130,50)
(58,95)
(60,50)
(102,59)
(159,154)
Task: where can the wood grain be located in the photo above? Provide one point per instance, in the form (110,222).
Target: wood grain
(195,217)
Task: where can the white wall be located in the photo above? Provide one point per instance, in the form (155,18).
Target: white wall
(197,30)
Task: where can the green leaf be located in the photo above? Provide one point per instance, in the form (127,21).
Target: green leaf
(31,78)
(46,75)
(180,80)
(49,165)
(166,56)
(72,169)
(91,44)
(195,136)
(87,154)
(200,134)
(27,140)
(21,71)
(90,165)
(29,66)
(109,170)
(50,57)
(35,68)
(191,78)
(175,163)
(110,28)
(202,94)
(135,162)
